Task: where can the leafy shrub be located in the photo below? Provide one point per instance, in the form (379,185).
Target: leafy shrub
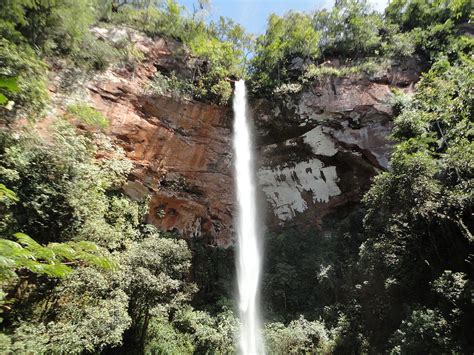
(79,204)
(155,272)
(223,61)
(410,14)
(52,260)
(402,44)
(221,46)
(349,29)
(165,19)
(95,54)
(22,63)
(65,194)
(172,85)
(9,85)
(222,91)
(426,330)
(399,101)
(163,338)
(85,312)
(57,26)
(129,54)
(88,115)
(286,37)
(287,89)
(209,334)
(299,337)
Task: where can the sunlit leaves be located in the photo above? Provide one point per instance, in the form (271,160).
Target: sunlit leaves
(10,85)
(7,195)
(53,260)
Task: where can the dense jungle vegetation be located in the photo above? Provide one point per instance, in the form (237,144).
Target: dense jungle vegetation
(80,272)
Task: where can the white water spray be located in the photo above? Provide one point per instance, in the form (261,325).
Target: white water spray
(248,263)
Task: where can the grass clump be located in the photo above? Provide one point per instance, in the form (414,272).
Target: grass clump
(88,115)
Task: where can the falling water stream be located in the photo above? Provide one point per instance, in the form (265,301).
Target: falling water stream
(248,246)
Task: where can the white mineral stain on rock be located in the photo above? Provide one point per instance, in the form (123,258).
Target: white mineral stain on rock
(284,186)
(321,143)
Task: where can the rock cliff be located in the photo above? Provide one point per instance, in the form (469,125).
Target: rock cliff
(318,150)
(181,149)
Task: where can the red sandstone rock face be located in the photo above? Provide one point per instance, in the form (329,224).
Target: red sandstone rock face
(180,149)
(181,153)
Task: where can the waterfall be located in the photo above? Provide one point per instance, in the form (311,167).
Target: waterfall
(248,246)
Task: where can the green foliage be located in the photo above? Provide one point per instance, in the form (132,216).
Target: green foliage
(61,28)
(93,278)
(173,86)
(296,42)
(53,260)
(65,194)
(427,28)
(155,272)
(20,62)
(286,38)
(208,334)
(163,338)
(299,337)
(29,30)
(400,45)
(155,18)
(400,101)
(227,30)
(406,291)
(307,272)
(369,67)
(222,48)
(88,115)
(10,85)
(424,330)
(350,28)
(222,64)
(295,47)
(95,54)
(7,195)
(85,312)
(410,14)
(94,316)
(73,296)
(162,265)
(192,332)
(417,218)
(51,25)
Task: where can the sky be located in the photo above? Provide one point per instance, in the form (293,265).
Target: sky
(253,14)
